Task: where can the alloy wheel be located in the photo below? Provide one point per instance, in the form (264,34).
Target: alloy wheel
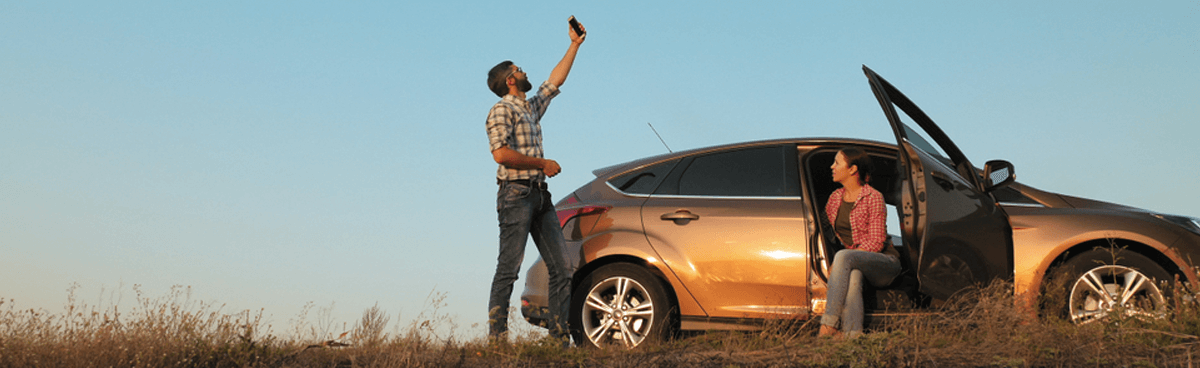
(1109,289)
(618,311)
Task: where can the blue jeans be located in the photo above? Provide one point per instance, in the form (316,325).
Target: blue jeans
(844,299)
(525,211)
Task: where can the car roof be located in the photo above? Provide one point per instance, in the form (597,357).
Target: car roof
(1049,198)
(827,141)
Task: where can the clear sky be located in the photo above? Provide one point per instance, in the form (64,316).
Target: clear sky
(271,154)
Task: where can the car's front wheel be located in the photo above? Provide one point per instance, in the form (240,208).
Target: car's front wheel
(622,305)
(1101,282)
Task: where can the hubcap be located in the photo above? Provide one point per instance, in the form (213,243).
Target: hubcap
(1107,289)
(617,311)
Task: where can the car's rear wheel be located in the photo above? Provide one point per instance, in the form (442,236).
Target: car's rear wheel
(1102,282)
(621,305)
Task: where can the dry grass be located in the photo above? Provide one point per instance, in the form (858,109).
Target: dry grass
(171,331)
(983,328)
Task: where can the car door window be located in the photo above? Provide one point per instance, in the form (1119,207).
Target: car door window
(917,138)
(753,172)
(922,142)
(644,180)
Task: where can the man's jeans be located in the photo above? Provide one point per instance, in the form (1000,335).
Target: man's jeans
(525,211)
(843,298)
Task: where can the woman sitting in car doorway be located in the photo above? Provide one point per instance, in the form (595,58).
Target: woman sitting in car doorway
(859,219)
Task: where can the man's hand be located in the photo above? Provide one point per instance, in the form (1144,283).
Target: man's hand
(550,168)
(515,160)
(577,38)
(558,76)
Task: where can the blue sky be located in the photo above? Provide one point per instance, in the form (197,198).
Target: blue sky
(273,154)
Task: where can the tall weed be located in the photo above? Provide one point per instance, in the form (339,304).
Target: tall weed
(984,327)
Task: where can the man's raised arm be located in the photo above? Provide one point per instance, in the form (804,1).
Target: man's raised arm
(558,76)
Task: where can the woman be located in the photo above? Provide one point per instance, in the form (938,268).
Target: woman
(859,219)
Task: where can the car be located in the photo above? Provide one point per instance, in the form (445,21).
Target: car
(731,236)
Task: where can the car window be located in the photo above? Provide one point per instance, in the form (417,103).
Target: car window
(644,180)
(920,139)
(917,138)
(754,172)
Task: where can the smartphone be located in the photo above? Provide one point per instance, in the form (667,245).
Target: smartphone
(575,26)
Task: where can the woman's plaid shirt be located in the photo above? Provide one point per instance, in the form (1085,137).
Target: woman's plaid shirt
(515,124)
(868,219)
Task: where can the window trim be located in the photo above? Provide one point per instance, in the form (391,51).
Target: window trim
(1018,204)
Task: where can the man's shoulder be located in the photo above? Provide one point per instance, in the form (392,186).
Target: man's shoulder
(503,107)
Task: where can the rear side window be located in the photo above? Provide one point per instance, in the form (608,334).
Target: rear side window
(644,180)
(754,172)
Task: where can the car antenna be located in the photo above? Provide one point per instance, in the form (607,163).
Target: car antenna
(660,138)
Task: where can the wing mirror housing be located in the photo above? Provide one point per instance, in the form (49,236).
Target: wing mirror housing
(998,173)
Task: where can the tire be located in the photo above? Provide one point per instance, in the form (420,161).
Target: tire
(1102,281)
(620,305)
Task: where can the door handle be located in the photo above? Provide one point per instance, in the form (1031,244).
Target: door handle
(681,217)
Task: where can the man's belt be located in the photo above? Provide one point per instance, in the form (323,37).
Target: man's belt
(532,183)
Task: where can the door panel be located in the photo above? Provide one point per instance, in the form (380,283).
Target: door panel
(731,225)
(740,258)
(964,238)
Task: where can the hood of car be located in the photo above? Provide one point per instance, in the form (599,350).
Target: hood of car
(1058,200)
(1061,201)
(1084,203)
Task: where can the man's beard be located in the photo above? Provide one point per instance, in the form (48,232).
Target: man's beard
(524,85)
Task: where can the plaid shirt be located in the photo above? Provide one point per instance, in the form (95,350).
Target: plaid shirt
(868,219)
(515,124)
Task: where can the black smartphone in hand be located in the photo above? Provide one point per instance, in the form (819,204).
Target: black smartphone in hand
(575,26)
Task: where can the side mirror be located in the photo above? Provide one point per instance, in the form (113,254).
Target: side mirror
(997,173)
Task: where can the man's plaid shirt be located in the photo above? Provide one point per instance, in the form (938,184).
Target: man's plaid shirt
(515,124)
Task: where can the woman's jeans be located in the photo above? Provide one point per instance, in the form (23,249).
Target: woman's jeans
(844,297)
(525,211)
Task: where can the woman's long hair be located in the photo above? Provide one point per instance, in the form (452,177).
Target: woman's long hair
(856,157)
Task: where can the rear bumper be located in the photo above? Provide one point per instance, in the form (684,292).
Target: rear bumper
(535,300)
(534,313)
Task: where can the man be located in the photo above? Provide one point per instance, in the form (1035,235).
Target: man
(523,203)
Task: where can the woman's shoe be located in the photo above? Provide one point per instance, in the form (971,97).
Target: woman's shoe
(829,332)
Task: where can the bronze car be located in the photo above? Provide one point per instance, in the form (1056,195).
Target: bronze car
(727,237)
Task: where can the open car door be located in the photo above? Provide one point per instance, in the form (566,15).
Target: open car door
(957,234)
